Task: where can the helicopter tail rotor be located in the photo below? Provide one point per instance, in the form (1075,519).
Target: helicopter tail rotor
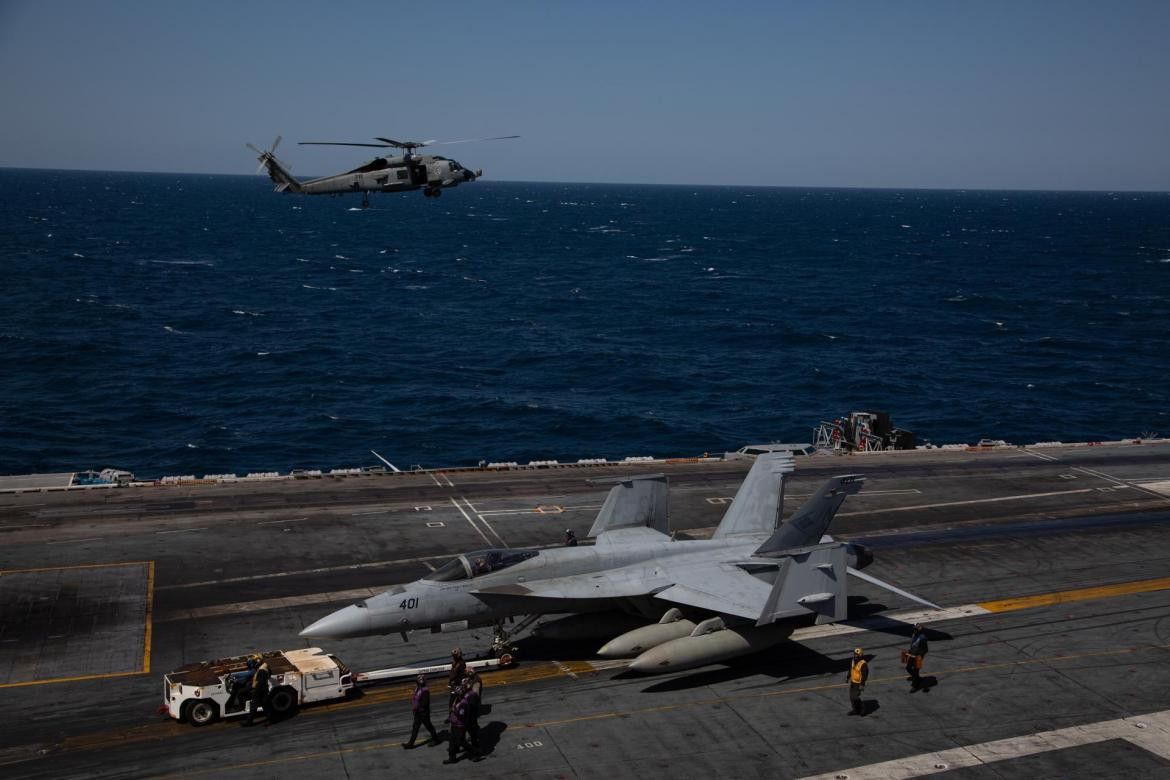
(278,170)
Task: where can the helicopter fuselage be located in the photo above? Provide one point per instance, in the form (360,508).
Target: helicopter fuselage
(393,174)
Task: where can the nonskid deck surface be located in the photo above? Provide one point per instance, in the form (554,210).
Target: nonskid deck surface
(244,567)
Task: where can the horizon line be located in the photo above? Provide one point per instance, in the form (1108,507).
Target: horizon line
(652,184)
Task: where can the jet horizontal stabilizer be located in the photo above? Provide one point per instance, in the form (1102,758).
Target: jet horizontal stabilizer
(887,586)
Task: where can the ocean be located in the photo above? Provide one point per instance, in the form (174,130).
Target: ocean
(193,324)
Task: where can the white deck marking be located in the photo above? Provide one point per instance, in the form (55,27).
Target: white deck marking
(1150,732)
(428,565)
(1159,486)
(274,522)
(431,474)
(239,608)
(448,479)
(319,570)
(379,512)
(467,517)
(1117,481)
(794,496)
(871,623)
(865,492)
(962,503)
(182,530)
(302,572)
(68,541)
(483,520)
(529,510)
(27,525)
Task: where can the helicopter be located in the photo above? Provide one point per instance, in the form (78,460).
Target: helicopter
(408,171)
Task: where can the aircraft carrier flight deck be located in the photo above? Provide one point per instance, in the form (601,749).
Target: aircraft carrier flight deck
(1048,658)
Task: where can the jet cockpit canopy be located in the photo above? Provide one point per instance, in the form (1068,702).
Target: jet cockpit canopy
(475,564)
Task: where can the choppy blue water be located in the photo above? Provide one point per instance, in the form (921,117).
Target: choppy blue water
(192,324)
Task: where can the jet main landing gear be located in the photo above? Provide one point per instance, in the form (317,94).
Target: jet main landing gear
(501,637)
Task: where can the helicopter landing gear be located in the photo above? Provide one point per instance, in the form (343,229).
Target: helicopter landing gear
(432,192)
(365,200)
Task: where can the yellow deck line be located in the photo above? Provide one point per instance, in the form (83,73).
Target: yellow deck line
(149,623)
(898,678)
(149,618)
(1080,594)
(70,679)
(69,568)
(551,670)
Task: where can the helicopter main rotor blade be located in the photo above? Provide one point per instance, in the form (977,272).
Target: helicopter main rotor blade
(408,145)
(253,148)
(339,143)
(275,144)
(472,140)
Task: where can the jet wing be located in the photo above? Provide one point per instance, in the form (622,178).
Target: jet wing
(583,587)
(721,587)
(625,536)
(724,588)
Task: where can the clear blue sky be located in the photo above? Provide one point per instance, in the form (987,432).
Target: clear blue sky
(932,93)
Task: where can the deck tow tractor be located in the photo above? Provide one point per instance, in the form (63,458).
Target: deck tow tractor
(203,692)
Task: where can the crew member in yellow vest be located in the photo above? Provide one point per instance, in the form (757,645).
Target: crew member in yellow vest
(858,674)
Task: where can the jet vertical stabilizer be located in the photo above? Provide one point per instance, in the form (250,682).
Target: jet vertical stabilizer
(759,502)
(634,502)
(811,580)
(809,523)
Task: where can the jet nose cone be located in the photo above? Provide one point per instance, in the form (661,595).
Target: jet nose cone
(348,622)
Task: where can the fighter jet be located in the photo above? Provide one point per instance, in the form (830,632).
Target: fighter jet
(744,589)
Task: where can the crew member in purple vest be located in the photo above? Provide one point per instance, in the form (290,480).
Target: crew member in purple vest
(420,705)
(458,721)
